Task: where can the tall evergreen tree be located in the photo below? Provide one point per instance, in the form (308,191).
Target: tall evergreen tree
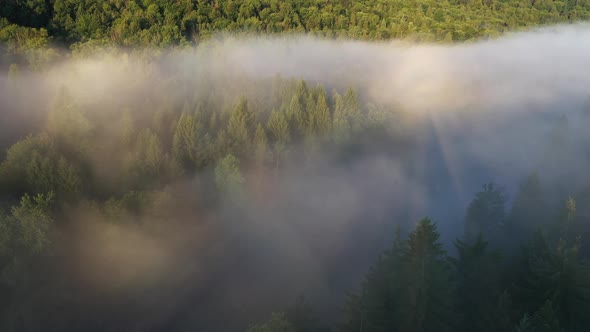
(280,134)
(478,286)
(556,272)
(187,142)
(240,128)
(352,110)
(426,284)
(319,114)
(485,214)
(340,122)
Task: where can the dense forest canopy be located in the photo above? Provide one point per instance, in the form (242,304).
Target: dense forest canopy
(31,26)
(247,166)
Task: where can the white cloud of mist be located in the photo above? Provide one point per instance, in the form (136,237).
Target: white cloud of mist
(481,111)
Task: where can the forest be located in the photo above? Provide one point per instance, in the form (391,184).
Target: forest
(294,166)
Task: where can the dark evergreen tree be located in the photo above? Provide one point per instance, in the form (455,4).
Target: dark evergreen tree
(485,214)
(427,301)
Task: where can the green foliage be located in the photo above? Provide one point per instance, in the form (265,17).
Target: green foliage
(279,130)
(227,174)
(160,23)
(33,165)
(478,287)
(160,161)
(340,122)
(426,282)
(149,165)
(277,323)
(188,146)
(409,289)
(544,320)
(318,114)
(240,127)
(26,232)
(556,272)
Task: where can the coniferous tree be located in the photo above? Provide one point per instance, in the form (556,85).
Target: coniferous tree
(478,286)
(340,122)
(186,145)
(543,320)
(378,306)
(352,110)
(280,134)
(297,111)
(485,214)
(427,289)
(556,272)
(319,116)
(240,128)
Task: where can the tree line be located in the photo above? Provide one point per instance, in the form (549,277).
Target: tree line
(34,27)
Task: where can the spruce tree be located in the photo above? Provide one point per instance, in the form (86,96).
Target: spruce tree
(186,144)
(340,122)
(427,302)
(485,214)
(239,128)
(478,285)
(280,135)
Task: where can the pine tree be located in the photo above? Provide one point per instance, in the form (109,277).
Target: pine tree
(485,214)
(186,144)
(297,111)
(556,272)
(378,306)
(239,128)
(319,116)
(340,123)
(279,131)
(478,285)
(427,290)
(149,165)
(544,320)
(352,110)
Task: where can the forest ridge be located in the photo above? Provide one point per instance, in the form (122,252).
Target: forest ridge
(180,22)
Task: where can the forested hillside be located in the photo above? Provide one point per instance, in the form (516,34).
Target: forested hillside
(266,166)
(26,25)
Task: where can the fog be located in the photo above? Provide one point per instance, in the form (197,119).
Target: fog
(488,111)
